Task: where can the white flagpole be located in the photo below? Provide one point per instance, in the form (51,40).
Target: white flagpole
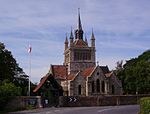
(29,51)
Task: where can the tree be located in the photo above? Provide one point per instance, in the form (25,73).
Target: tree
(135,74)
(10,70)
(119,65)
(8,65)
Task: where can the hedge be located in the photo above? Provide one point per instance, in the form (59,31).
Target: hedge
(145,105)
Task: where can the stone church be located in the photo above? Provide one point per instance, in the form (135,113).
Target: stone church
(79,75)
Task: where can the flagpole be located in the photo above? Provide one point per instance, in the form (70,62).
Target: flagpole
(29,72)
(29,86)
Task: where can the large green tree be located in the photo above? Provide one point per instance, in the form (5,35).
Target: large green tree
(10,70)
(135,74)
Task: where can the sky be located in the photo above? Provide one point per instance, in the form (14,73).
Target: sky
(121,29)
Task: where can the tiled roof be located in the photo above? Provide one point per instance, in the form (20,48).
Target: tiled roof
(71,77)
(87,71)
(80,43)
(59,71)
(43,80)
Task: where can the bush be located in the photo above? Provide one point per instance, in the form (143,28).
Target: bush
(145,105)
(7,92)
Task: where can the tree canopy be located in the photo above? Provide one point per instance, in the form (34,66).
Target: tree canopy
(135,74)
(10,70)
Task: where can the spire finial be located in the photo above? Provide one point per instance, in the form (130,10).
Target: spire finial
(79,20)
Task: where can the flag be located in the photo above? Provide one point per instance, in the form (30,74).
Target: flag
(30,48)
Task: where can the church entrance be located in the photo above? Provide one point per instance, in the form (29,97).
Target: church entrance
(49,90)
(50,98)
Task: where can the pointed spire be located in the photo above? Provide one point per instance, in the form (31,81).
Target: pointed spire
(92,37)
(79,31)
(71,38)
(71,34)
(86,39)
(66,41)
(92,40)
(79,20)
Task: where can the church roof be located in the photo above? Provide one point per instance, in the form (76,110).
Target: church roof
(59,71)
(105,69)
(43,80)
(71,77)
(87,71)
(80,43)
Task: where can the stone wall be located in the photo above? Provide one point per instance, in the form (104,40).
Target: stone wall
(109,100)
(22,102)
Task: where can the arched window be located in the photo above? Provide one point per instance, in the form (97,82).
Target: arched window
(103,86)
(113,89)
(97,86)
(93,87)
(79,89)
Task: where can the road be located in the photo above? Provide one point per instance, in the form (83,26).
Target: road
(128,109)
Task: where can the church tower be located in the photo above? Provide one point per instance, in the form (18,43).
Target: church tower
(77,54)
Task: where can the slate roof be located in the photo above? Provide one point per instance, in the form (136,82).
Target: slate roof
(105,69)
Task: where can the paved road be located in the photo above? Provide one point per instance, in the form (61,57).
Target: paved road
(128,109)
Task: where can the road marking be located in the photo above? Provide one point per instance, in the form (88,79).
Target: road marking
(109,109)
(48,112)
(103,110)
(56,110)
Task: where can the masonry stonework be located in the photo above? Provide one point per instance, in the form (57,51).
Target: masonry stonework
(79,75)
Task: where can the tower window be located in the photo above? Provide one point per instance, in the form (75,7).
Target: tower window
(82,55)
(97,73)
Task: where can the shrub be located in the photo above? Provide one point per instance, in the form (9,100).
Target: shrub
(7,92)
(145,105)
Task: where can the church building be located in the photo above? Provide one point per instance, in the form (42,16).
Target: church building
(79,75)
